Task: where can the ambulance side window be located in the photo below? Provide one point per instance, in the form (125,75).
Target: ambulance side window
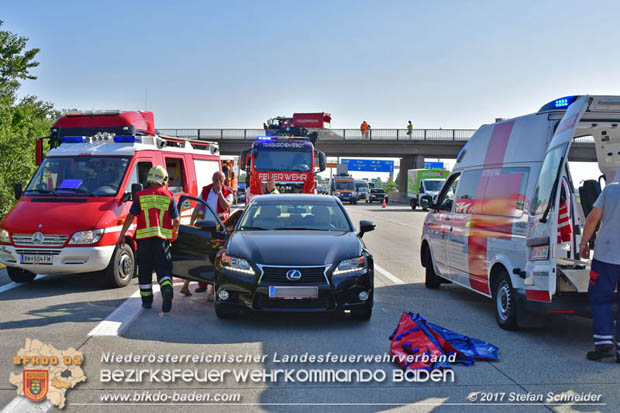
(176,175)
(447,195)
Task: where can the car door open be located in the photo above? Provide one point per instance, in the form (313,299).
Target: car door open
(194,250)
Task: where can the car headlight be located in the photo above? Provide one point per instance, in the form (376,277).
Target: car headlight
(351,265)
(237,264)
(539,253)
(5,236)
(87,237)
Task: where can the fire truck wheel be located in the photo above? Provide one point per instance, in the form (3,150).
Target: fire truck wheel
(20,276)
(432,280)
(505,302)
(122,267)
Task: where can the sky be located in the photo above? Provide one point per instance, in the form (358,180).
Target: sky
(233,64)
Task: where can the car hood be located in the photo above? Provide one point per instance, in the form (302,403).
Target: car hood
(294,247)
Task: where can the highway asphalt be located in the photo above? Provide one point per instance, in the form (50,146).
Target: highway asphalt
(78,311)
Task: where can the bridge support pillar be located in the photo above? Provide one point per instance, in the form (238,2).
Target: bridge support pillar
(409,162)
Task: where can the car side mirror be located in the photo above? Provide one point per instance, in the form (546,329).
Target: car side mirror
(434,206)
(366,226)
(208,225)
(18,190)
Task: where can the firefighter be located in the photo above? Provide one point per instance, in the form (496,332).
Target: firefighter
(409,129)
(158,224)
(271,186)
(605,270)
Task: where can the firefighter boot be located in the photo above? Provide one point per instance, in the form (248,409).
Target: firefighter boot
(166,295)
(147,297)
(601,352)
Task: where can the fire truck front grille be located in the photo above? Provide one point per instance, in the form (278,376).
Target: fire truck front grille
(45,241)
(287,187)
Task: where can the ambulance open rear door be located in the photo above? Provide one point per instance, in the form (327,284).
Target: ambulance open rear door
(541,267)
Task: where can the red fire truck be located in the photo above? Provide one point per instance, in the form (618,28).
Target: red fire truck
(290,161)
(300,124)
(68,218)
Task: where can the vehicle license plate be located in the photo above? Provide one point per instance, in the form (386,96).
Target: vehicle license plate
(37,259)
(293,292)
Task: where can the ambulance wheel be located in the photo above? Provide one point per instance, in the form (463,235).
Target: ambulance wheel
(20,276)
(505,302)
(432,280)
(122,267)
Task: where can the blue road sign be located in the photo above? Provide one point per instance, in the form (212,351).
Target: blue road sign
(368,165)
(433,165)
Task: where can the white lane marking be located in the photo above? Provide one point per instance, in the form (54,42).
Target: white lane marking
(11,285)
(21,404)
(121,318)
(389,275)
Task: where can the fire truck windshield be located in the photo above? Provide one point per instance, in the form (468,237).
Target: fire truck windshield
(345,185)
(83,176)
(283,161)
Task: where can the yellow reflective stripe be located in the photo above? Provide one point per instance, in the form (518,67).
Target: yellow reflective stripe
(164,283)
(153,232)
(146,293)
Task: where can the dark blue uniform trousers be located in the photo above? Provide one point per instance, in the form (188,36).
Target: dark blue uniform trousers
(603,281)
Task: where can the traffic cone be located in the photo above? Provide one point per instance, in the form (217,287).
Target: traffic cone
(384,204)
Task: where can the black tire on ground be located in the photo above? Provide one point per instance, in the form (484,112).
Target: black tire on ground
(505,303)
(20,276)
(431,280)
(122,267)
(354,201)
(362,315)
(413,204)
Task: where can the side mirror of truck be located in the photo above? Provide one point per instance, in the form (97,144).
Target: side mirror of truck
(366,226)
(322,161)
(243,160)
(18,190)
(135,188)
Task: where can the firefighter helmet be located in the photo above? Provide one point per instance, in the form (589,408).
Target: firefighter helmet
(157,174)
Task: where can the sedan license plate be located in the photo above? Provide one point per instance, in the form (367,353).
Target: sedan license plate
(293,292)
(37,259)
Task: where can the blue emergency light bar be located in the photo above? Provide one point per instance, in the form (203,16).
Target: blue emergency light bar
(561,103)
(263,138)
(73,139)
(127,139)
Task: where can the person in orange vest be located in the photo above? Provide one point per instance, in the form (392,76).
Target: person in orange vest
(364,128)
(158,225)
(219,198)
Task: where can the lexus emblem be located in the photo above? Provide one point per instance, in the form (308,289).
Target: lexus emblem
(37,238)
(293,275)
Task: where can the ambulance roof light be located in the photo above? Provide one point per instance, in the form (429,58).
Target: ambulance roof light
(127,139)
(559,104)
(263,138)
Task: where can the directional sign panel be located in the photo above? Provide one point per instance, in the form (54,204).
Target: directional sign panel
(433,165)
(368,165)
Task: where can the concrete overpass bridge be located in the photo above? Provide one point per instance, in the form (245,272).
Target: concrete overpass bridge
(378,143)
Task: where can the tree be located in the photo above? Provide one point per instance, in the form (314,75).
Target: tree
(20,121)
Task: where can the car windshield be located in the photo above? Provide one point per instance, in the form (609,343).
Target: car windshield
(279,160)
(377,191)
(362,189)
(83,175)
(295,215)
(434,184)
(345,185)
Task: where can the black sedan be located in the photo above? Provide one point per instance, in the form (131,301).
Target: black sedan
(290,252)
(376,195)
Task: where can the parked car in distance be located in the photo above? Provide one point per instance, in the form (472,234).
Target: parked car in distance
(377,194)
(362,193)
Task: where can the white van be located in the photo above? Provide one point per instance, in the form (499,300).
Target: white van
(494,227)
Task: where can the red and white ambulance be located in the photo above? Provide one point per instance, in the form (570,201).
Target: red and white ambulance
(494,228)
(68,218)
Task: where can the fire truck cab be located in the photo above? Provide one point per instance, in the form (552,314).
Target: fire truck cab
(68,218)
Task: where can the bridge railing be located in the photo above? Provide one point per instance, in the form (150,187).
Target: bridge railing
(330,134)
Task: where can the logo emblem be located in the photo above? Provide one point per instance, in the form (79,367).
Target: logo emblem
(40,226)
(37,238)
(293,275)
(36,384)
